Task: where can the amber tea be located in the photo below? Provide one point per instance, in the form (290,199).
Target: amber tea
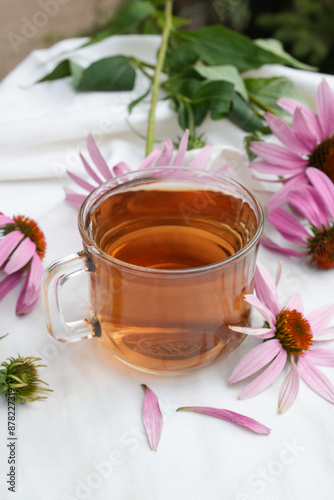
(172,321)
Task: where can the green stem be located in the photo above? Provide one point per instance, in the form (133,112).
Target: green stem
(191,121)
(261,104)
(156,78)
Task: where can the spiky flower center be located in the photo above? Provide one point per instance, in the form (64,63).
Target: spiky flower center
(321,247)
(293,331)
(30,229)
(322,157)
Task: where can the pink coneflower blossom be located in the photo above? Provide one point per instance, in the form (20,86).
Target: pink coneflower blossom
(308,143)
(313,236)
(162,156)
(288,335)
(22,248)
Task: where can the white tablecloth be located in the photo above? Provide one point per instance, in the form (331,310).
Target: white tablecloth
(87,440)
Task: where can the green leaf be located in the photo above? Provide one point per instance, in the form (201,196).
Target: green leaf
(112,73)
(227,73)
(217,45)
(178,58)
(62,70)
(276,47)
(215,96)
(243,116)
(264,92)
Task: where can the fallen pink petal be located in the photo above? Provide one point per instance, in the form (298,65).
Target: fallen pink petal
(152,417)
(230,416)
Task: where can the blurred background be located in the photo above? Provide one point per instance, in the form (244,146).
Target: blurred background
(305,27)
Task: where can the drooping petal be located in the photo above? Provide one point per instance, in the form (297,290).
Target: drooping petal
(296,302)
(279,198)
(266,313)
(266,242)
(288,226)
(324,335)
(308,202)
(5,220)
(90,171)
(318,319)
(201,158)
(285,133)
(9,282)
(81,182)
(321,357)
(263,333)
(31,287)
(289,389)
(74,198)
(21,256)
(255,359)
(120,169)
(182,149)
(302,131)
(324,186)
(273,153)
(318,382)
(267,377)
(8,244)
(325,107)
(152,418)
(229,416)
(166,156)
(290,105)
(150,159)
(266,290)
(97,158)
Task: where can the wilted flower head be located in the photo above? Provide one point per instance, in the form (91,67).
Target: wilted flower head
(288,335)
(308,143)
(22,248)
(314,234)
(162,156)
(21,376)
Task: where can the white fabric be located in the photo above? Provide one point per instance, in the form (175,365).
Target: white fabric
(87,440)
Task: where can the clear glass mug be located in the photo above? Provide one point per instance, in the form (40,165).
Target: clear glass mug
(170,252)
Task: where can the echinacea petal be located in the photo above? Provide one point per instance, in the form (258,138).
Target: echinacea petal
(276,168)
(266,242)
(97,158)
(289,388)
(255,359)
(5,220)
(321,357)
(273,153)
(182,149)
(266,313)
(120,169)
(201,158)
(81,182)
(318,382)
(263,333)
(295,303)
(166,156)
(152,417)
(74,198)
(324,335)
(318,319)
(288,226)
(308,202)
(302,131)
(285,133)
(90,171)
(9,282)
(290,105)
(324,186)
(229,416)
(21,256)
(267,377)
(266,290)
(150,159)
(8,244)
(325,107)
(281,196)
(31,287)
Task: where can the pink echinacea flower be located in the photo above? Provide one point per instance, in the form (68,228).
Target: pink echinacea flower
(22,248)
(308,143)
(287,335)
(314,234)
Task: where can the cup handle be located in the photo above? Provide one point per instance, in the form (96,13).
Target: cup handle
(54,278)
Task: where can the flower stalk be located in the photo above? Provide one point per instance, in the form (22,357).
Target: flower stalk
(157,74)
